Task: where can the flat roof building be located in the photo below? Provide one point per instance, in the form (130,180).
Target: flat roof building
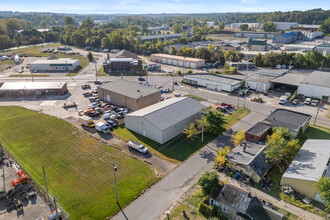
(17,89)
(258,132)
(119,65)
(316,85)
(188,62)
(59,65)
(259,82)
(128,94)
(164,120)
(310,164)
(213,82)
(288,119)
(290,79)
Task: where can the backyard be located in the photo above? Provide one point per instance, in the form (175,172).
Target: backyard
(180,148)
(79,168)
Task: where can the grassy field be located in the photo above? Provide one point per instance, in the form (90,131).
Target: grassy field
(180,148)
(79,168)
(101,72)
(36,51)
(318,132)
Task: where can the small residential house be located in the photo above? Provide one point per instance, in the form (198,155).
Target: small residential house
(239,205)
(249,158)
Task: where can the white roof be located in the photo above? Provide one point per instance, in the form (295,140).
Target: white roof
(58,61)
(169,112)
(311,161)
(11,86)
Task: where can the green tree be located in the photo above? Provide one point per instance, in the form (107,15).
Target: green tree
(189,71)
(191,131)
(325,27)
(221,158)
(244,27)
(78,39)
(43,24)
(90,56)
(221,26)
(323,188)
(68,20)
(173,51)
(4,41)
(238,137)
(229,55)
(12,26)
(144,27)
(215,120)
(209,182)
(87,23)
(176,28)
(105,43)
(269,27)
(257,60)
(299,61)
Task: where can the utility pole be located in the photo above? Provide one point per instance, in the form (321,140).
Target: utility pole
(48,200)
(317,113)
(95,71)
(203,113)
(173,82)
(114,176)
(247,69)
(237,104)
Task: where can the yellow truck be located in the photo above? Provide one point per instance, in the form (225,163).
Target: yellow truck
(87,121)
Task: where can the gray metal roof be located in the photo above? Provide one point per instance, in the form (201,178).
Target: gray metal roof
(311,161)
(169,112)
(287,119)
(277,72)
(215,78)
(129,89)
(318,78)
(13,86)
(260,78)
(292,79)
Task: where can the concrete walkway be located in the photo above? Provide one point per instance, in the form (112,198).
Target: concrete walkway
(271,199)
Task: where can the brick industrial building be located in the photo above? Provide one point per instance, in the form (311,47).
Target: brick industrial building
(122,65)
(128,94)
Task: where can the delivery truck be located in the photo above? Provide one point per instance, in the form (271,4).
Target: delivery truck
(134,144)
(87,121)
(102,127)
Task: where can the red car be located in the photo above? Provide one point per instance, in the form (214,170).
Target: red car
(227,105)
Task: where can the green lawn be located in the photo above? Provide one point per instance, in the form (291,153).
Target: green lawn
(318,132)
(180,148)
(197,97)
(36,51)
(101,72)
(79,168)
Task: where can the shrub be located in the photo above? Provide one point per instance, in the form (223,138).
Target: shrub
(189,71)
(205,209)
(179,73)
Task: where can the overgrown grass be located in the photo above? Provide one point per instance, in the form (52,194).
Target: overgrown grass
(196,97)
(101,72)
(79,168)
(288,215)
(180,148)
(317,132)
(33,50)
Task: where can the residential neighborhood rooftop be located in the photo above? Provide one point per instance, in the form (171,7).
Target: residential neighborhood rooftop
(169,112)
(129,89)
(311,161)
(318,78)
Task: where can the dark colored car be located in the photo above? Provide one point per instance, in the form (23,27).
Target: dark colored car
(112,123)
(295,102)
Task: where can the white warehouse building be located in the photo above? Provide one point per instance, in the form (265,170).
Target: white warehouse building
(316,85)
(214,82)
(62,64)
(165,120)
(188,62)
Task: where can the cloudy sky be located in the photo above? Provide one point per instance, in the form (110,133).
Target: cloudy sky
(160,6)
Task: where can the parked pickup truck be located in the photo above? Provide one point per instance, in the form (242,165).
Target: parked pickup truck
(134,144)
(87,121)
(102,127)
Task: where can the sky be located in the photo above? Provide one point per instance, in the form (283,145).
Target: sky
(159,6)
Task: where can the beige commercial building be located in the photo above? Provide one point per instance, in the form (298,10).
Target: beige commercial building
(165,120)
(59,65)
(128,94)
(187,62)
(310,164)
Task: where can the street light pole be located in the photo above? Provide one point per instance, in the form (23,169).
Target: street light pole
(114,176)
(203,114)
(48,200)
(317,113)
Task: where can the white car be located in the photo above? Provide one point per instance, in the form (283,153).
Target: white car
(307,101)
(94,104)
(107,116)
(314,102)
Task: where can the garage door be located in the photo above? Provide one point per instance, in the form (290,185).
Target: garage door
(180,63)
(163,60)
(193,65)
(169,61)
(211,86)
(175,62)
